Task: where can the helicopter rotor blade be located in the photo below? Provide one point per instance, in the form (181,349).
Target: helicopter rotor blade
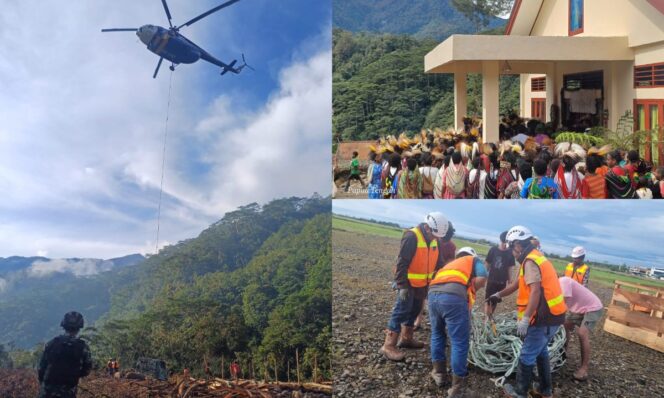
(205,14)
(120,30)
(157,69)
(244,61)
(168,12)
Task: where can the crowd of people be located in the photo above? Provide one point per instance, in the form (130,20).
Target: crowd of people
(430,269)
(509,170)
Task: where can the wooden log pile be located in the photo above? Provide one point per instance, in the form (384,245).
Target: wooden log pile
(216,387)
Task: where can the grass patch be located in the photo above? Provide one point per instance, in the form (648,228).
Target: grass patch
(598,273)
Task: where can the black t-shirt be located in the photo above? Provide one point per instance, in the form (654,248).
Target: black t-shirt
(498,264)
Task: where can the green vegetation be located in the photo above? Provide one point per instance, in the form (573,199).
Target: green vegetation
(481,12)
(379,87)
(254,287)
(434,19)
(599,272)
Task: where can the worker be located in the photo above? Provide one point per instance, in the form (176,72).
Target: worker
(109,367)
(448,250)
(540,312)
(451,297)
(65,360)
(419,256)
(577,270)
(116,366)
(585,310)
(183,382)
(499,262)
(235,370)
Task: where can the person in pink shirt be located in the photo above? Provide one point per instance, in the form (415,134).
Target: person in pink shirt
(584,310)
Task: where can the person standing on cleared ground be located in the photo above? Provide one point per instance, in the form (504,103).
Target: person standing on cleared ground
(499,261)
(64,361)
(451,296)
(585,310)
(354,172)
(577,270)
(540,312)
(419,256)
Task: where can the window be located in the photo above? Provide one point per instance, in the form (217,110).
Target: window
(648,76)
(575,17)
(538,84)
(538,108)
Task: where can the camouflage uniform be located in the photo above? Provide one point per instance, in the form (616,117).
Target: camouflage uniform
(65,359)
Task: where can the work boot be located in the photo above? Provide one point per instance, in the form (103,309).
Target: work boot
(389,348)
(439,374)
(460,388)
(407,340)
(524,375)
(535,392)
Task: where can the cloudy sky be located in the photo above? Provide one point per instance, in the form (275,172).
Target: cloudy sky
(82,121)
(613,231)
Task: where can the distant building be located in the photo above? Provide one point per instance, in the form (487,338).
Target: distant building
(656,273)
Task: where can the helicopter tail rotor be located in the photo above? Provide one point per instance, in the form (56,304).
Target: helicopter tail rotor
(244,65)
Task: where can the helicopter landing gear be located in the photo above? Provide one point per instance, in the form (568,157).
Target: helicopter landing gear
(172,68)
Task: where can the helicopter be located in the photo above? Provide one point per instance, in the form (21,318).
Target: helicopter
(171,45)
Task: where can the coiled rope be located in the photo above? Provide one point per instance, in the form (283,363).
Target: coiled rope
(163,162)
(499,352)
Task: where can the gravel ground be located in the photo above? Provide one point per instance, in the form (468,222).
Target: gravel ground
(363,299)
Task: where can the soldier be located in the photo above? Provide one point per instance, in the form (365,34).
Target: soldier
(65,360)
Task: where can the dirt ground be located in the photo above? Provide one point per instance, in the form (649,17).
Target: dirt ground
(355,190)
(22,383)
(362,303)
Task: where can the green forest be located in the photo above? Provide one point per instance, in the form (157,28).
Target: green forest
(379,87)
(253,287)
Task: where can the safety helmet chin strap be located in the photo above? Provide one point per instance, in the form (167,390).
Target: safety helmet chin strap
(527,247)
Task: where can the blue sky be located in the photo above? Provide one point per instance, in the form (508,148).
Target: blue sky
(618,232)
(82,121)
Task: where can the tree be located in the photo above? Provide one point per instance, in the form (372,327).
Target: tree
(480,12)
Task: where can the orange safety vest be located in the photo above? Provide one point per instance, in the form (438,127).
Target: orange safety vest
(553,294)
(458,271)
(423,264)
(577,275)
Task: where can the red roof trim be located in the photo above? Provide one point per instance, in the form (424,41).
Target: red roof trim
(515,11)
(658,4)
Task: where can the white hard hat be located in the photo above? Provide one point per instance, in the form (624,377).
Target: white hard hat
(467,250)
(518,232)
(438,223)
(578,251)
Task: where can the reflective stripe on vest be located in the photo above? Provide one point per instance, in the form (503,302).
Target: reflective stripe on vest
(423,264)
(550,287)
(577,275)
(458,271)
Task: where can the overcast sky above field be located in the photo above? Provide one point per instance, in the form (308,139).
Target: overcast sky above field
(613,231)
(82,121)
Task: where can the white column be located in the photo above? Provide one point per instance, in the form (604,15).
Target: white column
(550,89)
(490,100)
(460,102)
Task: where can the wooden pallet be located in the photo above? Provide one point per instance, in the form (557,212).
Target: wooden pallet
(636,314)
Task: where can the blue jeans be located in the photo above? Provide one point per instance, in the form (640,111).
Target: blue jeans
(405,312)
(535,344)
(450,311)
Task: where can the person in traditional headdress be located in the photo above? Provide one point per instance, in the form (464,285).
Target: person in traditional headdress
(410,181)
(428,173)
(374,174)
(390,176)
(454,178)
(567,178)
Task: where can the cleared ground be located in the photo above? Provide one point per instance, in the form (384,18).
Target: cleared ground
(362,302)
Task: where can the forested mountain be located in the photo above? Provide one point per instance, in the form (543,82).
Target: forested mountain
(254,286)
(435,19)
(36,291)
(379,87)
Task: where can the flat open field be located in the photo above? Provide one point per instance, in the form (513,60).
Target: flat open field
(362,302)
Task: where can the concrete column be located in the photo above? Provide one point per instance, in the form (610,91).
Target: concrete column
(460,102)
(523,80)
(490,100)
(551,89)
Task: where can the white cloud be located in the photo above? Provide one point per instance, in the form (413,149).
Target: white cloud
(82,128)
(83,267)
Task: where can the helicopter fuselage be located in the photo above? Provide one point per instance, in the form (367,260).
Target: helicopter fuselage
(169,45)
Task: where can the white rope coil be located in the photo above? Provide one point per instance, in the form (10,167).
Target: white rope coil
(499,353)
